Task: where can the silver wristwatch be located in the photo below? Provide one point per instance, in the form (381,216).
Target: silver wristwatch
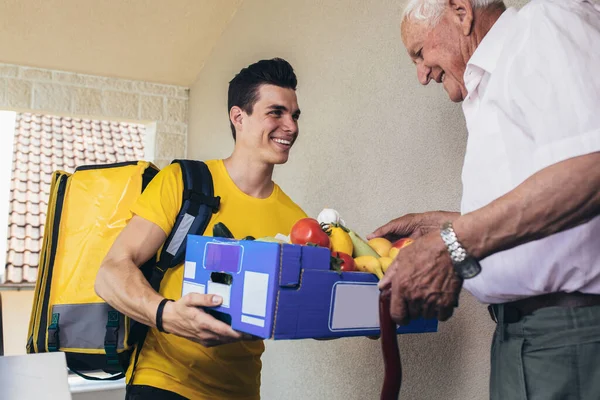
(465,266)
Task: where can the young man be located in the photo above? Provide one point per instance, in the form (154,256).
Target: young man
(198,356)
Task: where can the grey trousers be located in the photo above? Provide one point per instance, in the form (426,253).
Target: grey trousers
(553,354)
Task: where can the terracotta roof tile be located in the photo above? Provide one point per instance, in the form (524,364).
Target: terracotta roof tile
(29,273)
(15,273)
(17,218)
(16,244)
(42,145)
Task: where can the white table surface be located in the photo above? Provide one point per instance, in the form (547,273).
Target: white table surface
(34,377)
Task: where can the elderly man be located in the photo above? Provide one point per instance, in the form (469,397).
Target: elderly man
(527,240)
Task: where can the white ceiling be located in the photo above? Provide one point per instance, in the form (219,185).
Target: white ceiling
(165,41)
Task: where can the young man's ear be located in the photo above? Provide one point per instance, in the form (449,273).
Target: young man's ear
(462,14)
(236,116)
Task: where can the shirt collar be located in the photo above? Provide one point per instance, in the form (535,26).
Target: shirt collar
(488,52)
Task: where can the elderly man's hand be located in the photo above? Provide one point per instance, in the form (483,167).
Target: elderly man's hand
(413,225)
(422,281)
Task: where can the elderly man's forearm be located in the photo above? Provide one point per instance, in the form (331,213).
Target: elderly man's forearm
(554,199)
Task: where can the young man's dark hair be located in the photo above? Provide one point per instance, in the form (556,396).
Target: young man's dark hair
(243,88)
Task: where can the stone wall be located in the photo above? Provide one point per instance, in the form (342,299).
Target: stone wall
(163,108)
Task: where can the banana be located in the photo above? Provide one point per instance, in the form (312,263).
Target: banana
(361,247)
(369,264)
(385,263)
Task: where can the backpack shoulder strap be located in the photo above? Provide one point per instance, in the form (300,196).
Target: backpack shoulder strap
(198,204)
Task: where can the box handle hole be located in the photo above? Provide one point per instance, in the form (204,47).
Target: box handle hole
(221,277)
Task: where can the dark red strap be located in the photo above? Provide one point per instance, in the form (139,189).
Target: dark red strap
(392,381)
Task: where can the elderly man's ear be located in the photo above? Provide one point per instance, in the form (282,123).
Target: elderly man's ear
(462,14)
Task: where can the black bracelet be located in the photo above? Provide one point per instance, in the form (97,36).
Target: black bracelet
(159,314)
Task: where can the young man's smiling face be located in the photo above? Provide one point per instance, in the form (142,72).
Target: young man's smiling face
(270,131)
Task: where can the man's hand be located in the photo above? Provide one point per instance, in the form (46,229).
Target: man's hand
(413,225)
(422,281)
(187,319)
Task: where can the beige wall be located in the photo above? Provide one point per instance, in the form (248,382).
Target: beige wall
(374,144)
(163,107)
(16,310)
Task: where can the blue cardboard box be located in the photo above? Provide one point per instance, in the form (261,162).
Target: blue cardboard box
(284,291)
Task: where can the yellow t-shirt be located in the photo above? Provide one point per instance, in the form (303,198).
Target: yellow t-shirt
(179,365)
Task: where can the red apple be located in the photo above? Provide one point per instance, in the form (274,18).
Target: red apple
(397,245)
(400,243)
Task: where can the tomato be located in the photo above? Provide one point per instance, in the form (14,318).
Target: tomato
(309,231)
(346,262)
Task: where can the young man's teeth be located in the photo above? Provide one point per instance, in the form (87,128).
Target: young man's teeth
(443,76)
(282,141)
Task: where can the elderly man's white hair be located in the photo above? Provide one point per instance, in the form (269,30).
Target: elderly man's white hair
(430,11)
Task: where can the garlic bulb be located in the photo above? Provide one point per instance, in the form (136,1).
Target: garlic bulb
(328,216)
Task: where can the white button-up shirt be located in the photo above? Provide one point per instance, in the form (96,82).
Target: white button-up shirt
(533,100)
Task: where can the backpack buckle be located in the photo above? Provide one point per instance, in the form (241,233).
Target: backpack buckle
(200,198)
(111,338)
(53,329)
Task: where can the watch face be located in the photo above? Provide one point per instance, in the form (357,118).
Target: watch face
(468,269)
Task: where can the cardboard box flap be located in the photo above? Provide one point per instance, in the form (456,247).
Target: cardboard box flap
(295,258)
(316,258)
(291,265)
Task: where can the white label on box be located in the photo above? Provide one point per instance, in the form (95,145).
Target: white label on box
(189,287)
(222,290)
(256,289)
(354,306)
(189,270)
(253,321)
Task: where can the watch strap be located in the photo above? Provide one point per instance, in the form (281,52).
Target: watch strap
(458,254)
(465,266)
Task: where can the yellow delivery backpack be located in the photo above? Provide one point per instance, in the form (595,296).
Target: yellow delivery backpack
(86,212)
